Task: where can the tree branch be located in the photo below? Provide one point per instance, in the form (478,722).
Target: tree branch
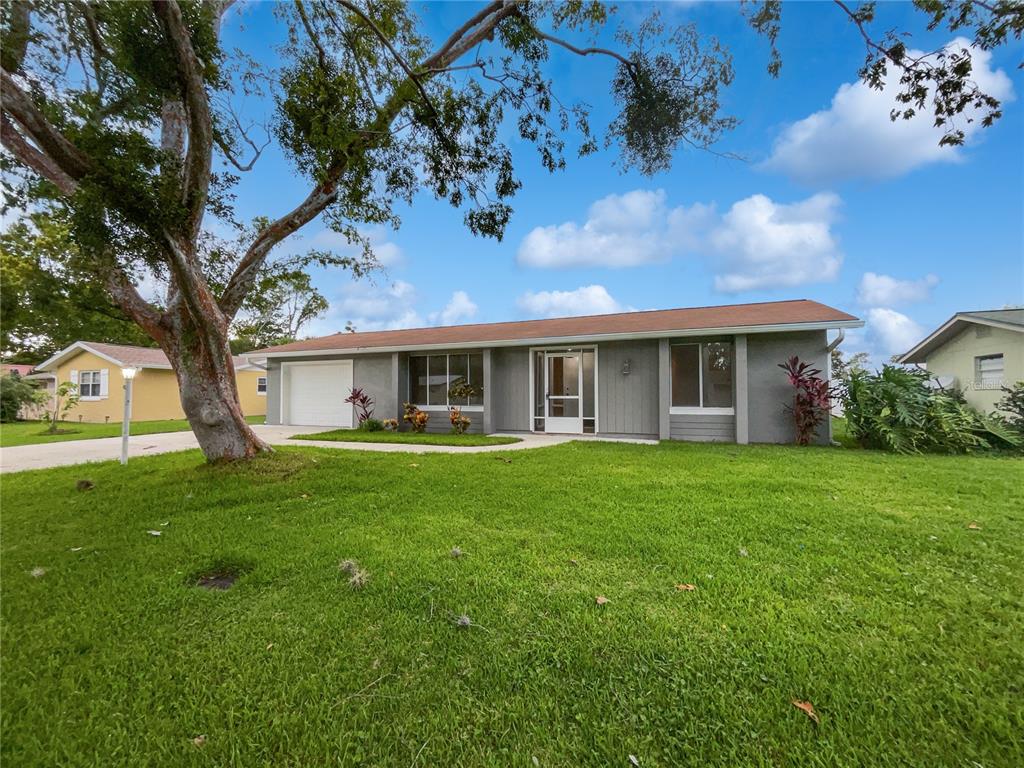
(587,51)
(228,151)
(478,28)
(16,40)
(394,52)
(200,134)
(321,54)
(121,289)
(69,158)
(16,144)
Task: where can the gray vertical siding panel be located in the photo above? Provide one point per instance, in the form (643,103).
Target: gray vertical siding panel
(510,389)
(741,396)
(273,392)
(769,393)
(628,404)
(664,389)
(488,396)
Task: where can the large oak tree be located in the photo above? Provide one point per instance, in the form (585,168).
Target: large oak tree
(119,112)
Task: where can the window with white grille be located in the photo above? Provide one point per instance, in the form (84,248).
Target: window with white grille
(988,372)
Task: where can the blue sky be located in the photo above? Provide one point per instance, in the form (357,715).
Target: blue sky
(833,202)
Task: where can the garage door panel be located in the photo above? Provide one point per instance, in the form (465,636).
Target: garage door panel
(317,392)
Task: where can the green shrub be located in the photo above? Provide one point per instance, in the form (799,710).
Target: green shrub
(1013,404)
(896,410)
(371,425)
(15,394)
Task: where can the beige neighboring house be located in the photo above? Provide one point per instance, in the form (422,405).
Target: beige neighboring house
(976,352)
(95,369)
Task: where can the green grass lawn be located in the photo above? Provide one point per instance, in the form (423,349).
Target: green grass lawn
(32,432)
(887,591)
(413,438)
(841,433)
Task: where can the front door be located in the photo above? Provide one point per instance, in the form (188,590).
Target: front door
(563,381)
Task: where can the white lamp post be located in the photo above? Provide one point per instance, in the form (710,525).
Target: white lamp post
(128,374)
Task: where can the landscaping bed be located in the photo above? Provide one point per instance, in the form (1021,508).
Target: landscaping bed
(410,438)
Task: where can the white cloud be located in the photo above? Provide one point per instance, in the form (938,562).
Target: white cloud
(757,243)
(458,309)
(764,244)
(855,137)
(882,290)
(373,307)
(586,300)
(889,332)
(625,230)
(370,307)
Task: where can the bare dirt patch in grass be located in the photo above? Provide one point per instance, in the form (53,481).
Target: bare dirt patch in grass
(219,575)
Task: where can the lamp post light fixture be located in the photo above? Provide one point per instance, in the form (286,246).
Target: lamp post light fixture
(128,374)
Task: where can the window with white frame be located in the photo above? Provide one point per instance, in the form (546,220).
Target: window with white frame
(447,380)
(988,372)
(89,384)
(261,385)
(702,375)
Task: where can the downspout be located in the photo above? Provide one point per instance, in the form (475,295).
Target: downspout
(836,341)
(828,361)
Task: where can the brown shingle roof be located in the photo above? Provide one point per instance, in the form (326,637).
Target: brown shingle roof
(653,321)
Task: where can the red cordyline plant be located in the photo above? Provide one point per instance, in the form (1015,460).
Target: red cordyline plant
(812,398)
(363,403)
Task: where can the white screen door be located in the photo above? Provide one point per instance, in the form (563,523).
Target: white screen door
(563,381)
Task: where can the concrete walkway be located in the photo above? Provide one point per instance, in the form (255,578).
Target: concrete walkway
(22,457)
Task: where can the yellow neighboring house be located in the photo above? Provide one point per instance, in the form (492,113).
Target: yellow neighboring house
(975,352)
(95,368)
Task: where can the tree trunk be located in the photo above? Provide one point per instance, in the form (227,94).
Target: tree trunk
(209,397)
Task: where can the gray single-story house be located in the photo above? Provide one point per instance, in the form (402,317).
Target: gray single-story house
(705,373)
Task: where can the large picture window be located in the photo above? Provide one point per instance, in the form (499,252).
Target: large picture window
(702,375)
(447,380)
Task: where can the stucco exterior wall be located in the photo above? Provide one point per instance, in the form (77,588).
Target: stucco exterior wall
(769,392)
(956,359)
(252,402)
(154,392)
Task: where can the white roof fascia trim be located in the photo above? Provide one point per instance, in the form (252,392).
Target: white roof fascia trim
(79,345)
(961,318)
(993,323)
(554,340)
(84,347)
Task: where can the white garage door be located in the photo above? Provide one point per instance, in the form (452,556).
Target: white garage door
(316,394)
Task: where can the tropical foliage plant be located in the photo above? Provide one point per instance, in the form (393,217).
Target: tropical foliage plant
(812,398)
(362,402)
(65,397)
(896,409)
(1012,404)
(460,422)
(415,418)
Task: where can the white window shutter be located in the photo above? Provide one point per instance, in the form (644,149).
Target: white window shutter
(74,378)
(104,374)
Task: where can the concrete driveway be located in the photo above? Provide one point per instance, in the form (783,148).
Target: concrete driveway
(22,457)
